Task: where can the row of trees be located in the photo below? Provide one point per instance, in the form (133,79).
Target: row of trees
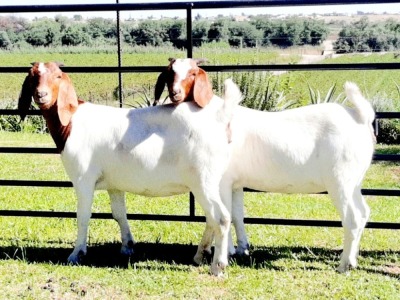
(258,31)
(363,36)
(254,32)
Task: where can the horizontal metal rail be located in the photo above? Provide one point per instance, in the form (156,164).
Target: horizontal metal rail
(68,184)
(222,68)
(184,218)
(178,5)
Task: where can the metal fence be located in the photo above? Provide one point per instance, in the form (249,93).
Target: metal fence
(119,69)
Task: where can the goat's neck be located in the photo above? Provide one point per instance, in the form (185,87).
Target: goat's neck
(58,132)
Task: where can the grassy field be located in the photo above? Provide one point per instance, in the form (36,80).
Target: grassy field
(285,262)
(102,87)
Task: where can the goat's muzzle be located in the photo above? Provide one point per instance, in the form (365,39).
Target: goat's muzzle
(176,97)
(41,97)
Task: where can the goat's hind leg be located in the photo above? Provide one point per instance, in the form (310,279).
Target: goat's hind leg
(218,220)
(238,222)
(354,213)
(118,209)
(205,244)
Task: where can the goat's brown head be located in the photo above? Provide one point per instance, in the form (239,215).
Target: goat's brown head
(50,88)
(185,82)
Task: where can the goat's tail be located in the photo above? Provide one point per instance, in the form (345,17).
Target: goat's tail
(365,112)
(232,97)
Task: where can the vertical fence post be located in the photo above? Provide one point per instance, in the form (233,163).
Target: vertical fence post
(189,48)
(119,59)
(189,38)
(191,205)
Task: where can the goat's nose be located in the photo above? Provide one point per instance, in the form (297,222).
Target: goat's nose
(41,94)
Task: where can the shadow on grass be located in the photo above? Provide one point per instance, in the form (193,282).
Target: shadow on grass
(108,256)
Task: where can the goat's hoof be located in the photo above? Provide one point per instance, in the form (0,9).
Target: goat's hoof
(243,251)
(76,259)
(346,266)
(201,256)
(198,259)
(217,269)
(128,249)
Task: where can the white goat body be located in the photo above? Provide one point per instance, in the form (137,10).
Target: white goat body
(317,148)
(299,150)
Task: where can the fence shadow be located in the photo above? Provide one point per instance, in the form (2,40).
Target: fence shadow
(108,256)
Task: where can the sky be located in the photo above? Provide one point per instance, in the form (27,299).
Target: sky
(307,10)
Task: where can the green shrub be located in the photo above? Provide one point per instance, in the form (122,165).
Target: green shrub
(13,123)
(388,129)
(261,90)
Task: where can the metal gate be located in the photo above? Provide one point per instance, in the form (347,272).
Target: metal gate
(119,69)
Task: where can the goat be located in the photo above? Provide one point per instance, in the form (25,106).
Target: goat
(155,151)
(325,147)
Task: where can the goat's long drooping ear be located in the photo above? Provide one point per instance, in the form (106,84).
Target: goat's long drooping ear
(25,97)
(159,88)
(67,101)
(202,90)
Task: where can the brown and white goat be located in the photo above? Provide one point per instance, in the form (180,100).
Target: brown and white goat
(185,81)
(325,147)
(155,151)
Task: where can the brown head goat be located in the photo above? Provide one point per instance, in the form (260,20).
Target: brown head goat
(185,81)
(52,91)
(154,151)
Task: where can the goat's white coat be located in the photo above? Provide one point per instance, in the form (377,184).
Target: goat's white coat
(325,147)
(158,151)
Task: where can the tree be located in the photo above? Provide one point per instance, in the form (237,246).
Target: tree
(100,27)
(363,36)
(5,42)
(44,32)
(243,34)
(175,32)
(218,31)
(314,32)
(199,32)
(267,27)
(147,33)
(75,35)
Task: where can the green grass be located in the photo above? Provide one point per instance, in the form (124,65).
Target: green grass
(101,87)
(286,262)
(372,83)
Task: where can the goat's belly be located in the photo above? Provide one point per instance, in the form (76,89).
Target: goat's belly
(287,187)
(142,185)
(283,183)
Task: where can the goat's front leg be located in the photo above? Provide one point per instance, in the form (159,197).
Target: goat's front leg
(84,193)
(118,209)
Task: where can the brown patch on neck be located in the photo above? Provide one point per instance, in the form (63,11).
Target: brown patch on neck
(58,132)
